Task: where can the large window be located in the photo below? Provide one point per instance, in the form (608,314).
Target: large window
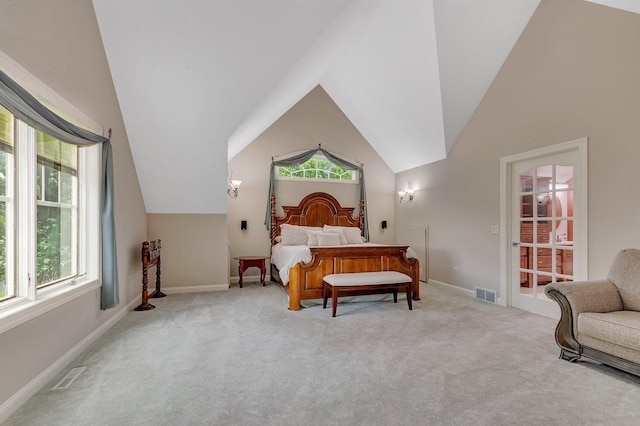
(48,216)
(57,202)
(317,168)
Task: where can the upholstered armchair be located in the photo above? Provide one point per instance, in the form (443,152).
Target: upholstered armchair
(601,319)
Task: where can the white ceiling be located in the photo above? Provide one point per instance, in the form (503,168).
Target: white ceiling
(628,5)
(198,80)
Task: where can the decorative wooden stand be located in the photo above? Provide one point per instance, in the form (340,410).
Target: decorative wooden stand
(150,257)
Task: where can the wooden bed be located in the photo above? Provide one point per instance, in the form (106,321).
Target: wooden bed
(305,279)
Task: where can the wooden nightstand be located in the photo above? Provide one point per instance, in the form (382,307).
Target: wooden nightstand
(246,262)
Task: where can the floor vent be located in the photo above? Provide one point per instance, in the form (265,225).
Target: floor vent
(69,378)
(486,295)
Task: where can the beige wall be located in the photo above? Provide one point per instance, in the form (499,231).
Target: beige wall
(59,43)
(573,73)
(314,119)
(194,249)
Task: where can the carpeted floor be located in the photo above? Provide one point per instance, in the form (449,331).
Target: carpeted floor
(241,358)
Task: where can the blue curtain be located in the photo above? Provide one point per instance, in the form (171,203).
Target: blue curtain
(303,158)
(28,109)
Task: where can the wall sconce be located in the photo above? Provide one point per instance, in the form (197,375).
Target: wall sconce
(383,224)
(232,185)
(407,195)
(243,225)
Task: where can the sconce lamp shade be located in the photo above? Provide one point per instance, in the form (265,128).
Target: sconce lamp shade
(232,185)
(406,196)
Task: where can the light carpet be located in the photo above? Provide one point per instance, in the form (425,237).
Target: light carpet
(241,358)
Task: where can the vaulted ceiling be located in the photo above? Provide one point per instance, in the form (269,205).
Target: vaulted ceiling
(198,80)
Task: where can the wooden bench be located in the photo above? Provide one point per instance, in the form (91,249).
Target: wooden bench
(365,283)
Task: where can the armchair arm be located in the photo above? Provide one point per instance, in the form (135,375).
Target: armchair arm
(575,298)
(589,296)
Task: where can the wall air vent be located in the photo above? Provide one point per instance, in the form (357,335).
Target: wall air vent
(486,295)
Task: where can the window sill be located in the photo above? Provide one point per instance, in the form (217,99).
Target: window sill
(21,310)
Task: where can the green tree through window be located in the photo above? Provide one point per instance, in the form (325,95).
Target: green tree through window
(317,168)
(56,209)
(56,191)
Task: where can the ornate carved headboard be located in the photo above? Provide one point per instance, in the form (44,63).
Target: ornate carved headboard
(316,209)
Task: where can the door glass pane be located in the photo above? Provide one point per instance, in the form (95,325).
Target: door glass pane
(562,231)
(544,265)
(526,181)
(526,286)
(542,232)
(543,278)
(564,177)
(544,174)
(526,206)
(526,231)
(565,256)
(544,203)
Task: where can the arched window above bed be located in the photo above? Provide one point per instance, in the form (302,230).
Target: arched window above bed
(300,159)
(317,167)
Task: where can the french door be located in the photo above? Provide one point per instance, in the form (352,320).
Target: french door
(547,226)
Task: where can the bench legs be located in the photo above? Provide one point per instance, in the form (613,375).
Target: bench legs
(334,298)
(328,288)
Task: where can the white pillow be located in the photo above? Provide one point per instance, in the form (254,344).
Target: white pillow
(342,238)
(312,237)
(328,239)
(293,235)
(351,233)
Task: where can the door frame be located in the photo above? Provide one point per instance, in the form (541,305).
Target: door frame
(580,209)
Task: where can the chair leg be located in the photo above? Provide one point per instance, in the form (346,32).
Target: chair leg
(408,290)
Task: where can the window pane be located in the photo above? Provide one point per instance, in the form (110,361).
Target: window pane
(66,188)
(39,182)
(50,183)
(6,193)
(5,290)
(317,168)
(56,210)
(55,244)
(6,126)
(57,154)
(6,147)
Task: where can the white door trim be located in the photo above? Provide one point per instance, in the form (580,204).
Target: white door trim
(580,209)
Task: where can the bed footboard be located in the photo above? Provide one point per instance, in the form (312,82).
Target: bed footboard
(305,279)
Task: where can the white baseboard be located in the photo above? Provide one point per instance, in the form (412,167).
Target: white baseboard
(460,290)
(34,386)
(195,288)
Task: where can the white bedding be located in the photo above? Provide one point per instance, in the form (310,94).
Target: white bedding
(284,257)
